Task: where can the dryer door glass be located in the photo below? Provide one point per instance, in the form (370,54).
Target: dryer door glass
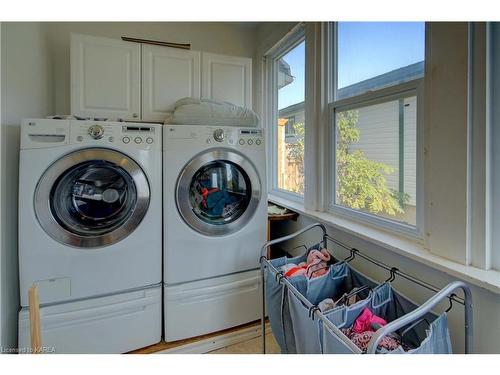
(93,198)
(220,192)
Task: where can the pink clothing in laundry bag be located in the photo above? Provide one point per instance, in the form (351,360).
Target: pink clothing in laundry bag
(361,340)
(317,263)
(321,255)
(366,320)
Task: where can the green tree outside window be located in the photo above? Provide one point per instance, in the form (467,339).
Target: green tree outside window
(361,182)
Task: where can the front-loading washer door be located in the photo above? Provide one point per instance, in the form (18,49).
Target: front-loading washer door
(92,198)
(218,192)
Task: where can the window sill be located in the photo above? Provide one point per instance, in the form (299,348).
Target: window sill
(411,249)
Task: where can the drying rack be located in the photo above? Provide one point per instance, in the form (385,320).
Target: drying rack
(448,292)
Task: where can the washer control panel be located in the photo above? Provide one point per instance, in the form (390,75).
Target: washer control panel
(139,135)
(250,137)
(144,136)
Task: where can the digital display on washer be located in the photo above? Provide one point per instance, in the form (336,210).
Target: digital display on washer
(257,132)
(148,129)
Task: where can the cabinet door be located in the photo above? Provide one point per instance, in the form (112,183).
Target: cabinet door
(168,74)
(105,77)
(227,78)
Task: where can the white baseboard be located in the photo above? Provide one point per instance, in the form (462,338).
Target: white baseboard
(217,342)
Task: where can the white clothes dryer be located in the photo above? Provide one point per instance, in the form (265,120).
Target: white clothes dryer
(215,202)
(215,223)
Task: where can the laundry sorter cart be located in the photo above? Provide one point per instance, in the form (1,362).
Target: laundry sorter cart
(300,326)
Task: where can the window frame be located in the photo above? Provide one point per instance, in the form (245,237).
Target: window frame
(491,254)
(285,45)
(384,94)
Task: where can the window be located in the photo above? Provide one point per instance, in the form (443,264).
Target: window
(287,93)
(378,69)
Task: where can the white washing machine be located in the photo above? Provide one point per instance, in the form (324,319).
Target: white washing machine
(215,223)
(90,218)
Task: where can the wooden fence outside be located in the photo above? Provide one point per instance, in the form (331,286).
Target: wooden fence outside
(290,172)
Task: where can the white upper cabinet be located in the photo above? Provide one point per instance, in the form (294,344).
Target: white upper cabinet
(168,74)
(112,78)
(227,78)
(105,77)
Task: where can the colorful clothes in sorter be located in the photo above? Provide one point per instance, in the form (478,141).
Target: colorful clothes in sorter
(365,327)
(316,265)
(361,340)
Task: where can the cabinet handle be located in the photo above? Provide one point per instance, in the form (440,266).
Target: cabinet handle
(135,115)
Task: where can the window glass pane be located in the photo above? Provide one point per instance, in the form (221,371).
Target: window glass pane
(290,126)
(373,55)
(376,159)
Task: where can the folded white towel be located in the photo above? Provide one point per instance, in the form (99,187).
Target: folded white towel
(192,111)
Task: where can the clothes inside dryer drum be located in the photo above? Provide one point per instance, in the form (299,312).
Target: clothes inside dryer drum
(93,198)
(219,192)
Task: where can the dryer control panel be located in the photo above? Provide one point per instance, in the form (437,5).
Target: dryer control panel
(242,138)
(136,135)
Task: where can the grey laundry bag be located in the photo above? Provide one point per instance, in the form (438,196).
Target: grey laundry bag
(389,305)
(345,316)
(277,301)
(340,279)
(275,298)
(438,339)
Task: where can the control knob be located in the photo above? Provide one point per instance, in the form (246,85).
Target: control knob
(96,131)
(219,135)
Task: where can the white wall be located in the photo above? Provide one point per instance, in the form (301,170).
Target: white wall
(26,91)
(217,37)
(486,304)
(445,139)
